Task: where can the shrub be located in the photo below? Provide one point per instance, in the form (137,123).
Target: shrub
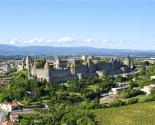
(135,92)
(145,99)
(117,103)
(132,101)
(131,93)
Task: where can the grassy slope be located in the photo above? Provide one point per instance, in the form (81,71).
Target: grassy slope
(135,114)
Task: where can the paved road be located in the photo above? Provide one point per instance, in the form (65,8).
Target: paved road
(24,111)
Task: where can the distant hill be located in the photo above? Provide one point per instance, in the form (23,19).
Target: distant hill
(49,50)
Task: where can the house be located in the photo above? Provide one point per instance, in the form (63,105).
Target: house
(104,94)
(119,89)
(152,77)
(14,117)
(148,89)
(3,116)
(151,60)
(8,106)
(122,84)
(7,123)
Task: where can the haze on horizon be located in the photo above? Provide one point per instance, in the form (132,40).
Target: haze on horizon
(116,24)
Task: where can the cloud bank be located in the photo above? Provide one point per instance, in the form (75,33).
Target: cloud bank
(68,41)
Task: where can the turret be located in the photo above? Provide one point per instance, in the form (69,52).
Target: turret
(57,63)
(72,64)
(90,65)
(127,61)
(27,62)
(23,63)
(47,71)
(72,69)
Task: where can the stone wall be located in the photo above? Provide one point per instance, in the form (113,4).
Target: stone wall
(106,66)
(60,73)
(81,69)
(64,79)
(40,73)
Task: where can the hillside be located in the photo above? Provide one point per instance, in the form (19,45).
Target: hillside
(136,114)
(49,50)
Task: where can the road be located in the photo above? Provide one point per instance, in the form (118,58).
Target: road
(24,111)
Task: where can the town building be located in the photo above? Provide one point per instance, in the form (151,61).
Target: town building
(60,70)
(148,89)
(127,61)
(14,117)
(7,123)
(8,107)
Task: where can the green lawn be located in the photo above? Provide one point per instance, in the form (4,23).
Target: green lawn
(135,114)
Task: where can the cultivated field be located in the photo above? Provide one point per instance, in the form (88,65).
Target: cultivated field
(135,114)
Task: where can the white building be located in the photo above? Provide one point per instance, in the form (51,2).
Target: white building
(14,117)
(8,106)
(152,77)
(122,84)
(148,89)
(151,60)
(119,89)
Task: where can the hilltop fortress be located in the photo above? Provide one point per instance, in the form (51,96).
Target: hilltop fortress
(61,70)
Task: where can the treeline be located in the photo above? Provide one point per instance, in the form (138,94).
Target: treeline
(66,104)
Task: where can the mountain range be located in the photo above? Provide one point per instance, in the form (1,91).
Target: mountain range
(6,50)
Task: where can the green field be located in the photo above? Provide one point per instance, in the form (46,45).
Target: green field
(135,114)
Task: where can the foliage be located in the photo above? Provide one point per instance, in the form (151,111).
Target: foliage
(132,101)
(136,114)
(39,63)
(117,103)
(64,101)
(131,93)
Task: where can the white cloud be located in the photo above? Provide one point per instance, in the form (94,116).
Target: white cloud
(35,41)
(65,40)
(39,41)
(105,40)
(70,42)
(15,40)
(122,41)
(89,40)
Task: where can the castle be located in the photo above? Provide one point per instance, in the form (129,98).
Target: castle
(61,70)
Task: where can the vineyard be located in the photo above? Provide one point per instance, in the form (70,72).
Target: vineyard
(135,114)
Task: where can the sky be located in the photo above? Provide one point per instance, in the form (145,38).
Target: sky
(117,24)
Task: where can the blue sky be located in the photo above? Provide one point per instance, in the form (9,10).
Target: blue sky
(116,24)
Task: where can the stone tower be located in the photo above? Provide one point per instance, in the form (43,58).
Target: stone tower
(72,69)
(90,65)
(127,61)
(72,65)
(27,62)
(47,72)
(29,73)
(23,63)
(57,63)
